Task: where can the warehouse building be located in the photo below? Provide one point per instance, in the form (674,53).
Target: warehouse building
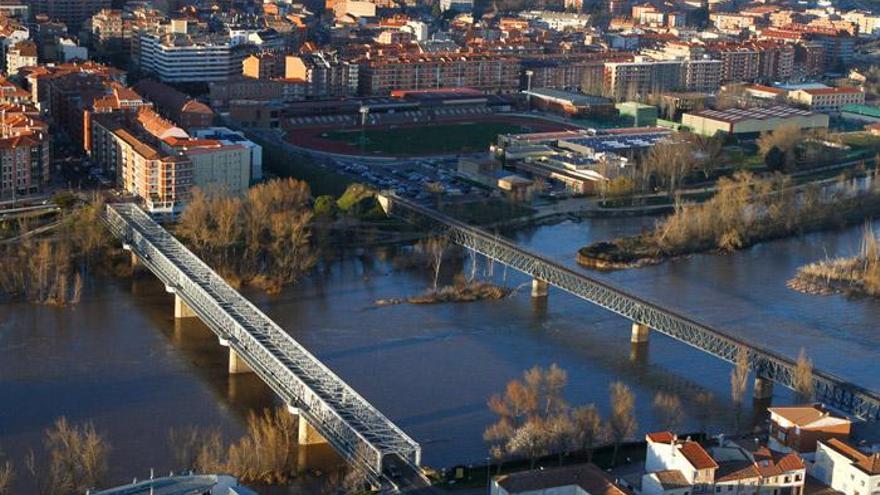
(750,122)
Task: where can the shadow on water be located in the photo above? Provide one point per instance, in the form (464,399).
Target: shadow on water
(244,393)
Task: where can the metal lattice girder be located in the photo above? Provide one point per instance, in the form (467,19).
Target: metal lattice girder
(358,431)
(832,390)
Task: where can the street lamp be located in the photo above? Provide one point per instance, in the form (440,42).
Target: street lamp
(364,110)
(488,474)
(529,74)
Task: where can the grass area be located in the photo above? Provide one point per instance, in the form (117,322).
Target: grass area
(321,180)
(485,212)
(864,140)
(435,139)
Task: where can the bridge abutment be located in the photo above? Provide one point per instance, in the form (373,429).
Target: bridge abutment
(763,389)
(640,333)
(182,309)
(540,288)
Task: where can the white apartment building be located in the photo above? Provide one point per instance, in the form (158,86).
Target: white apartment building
(178,57)
(229,137)
(457,5)
(847,469)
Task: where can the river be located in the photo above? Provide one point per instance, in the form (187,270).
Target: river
(119,359)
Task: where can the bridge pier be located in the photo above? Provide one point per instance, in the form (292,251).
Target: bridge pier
(307,434)
(640,333)
(539,288)
(763,389)
(237,364)
(182,309)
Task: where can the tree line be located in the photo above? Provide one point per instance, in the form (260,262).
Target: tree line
(260,239)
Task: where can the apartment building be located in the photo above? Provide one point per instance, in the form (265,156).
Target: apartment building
(175,105)
(22,54)
(457,5)
(71,12)
(24,151)
(180,57)
(324,74)
(264,65)
(827,99)
(111,32)
(754,61)
(731,22)
(11,33)
(868,24)
(487,73)
(640,78)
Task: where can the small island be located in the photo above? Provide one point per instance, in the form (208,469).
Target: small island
(745,210)
(854,276)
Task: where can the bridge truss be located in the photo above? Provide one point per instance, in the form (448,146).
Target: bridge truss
(829,389)
(359,432)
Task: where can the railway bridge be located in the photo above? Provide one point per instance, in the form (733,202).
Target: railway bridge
(329,410)
(768,366)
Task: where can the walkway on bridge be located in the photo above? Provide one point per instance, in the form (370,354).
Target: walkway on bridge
(360,433)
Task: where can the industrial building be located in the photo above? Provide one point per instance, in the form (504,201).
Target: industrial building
(750,122)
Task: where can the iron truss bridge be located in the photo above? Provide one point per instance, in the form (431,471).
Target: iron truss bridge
(829,389)
(360,433)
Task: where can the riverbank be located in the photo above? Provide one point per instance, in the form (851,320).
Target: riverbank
(745,211)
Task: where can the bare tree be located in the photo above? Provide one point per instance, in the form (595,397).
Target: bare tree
(526,413)
(530,440)
(436,249)
(622,424)
(77,457)
(739,376)
(7,475)
(669,408)
(588,427)
(803,377)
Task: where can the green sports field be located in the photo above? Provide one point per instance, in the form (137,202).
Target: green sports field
(428,140)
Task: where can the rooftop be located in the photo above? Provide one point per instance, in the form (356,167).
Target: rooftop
(733,115)
(587,476)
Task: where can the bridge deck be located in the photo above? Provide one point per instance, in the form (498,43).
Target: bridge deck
(830,389)
(354,427)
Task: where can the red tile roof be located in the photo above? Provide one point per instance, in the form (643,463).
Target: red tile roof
(661,437)
(697,456)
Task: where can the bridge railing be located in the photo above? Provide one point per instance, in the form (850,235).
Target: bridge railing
(354,427)
(832,390)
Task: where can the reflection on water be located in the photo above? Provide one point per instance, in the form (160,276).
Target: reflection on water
(121,360)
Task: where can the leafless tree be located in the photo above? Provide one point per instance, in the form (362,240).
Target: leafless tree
(588,427)
(739,376)
(7,476)
(77,459)
(622,424)
(669,408)
(436,249)
(803,377)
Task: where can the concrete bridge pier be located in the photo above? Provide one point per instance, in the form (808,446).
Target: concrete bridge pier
(182,309)
(763,389)
(236,363)
(307,434)
(640,333)
(540,288)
